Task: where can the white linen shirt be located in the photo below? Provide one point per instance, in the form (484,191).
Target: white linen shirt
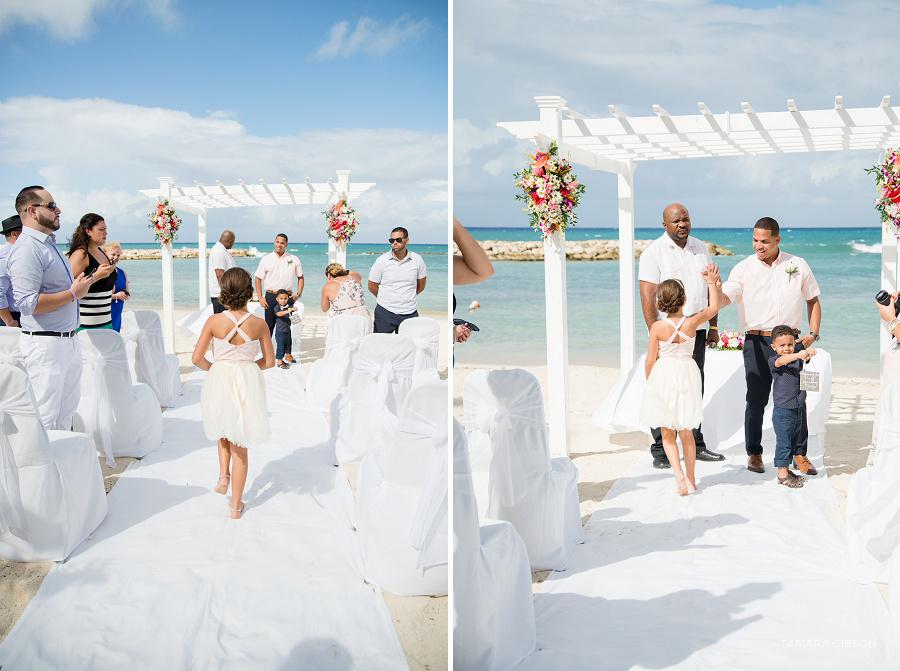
(279,272)
(397,281)
(767,296)
(219,258)
(664,260)
(37,267)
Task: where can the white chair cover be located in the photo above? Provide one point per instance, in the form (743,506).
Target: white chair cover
(60,498)
(123,419)
(426,334)
(493,607)
(515,478)
(147,356)
(332,371)
(364,414)
(401,500)
(9,346)
(873,498)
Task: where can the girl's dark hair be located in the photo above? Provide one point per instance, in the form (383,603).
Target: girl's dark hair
(670,296)
(80,239)
(235,288)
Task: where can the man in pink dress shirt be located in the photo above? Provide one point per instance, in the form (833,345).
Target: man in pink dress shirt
(771,288)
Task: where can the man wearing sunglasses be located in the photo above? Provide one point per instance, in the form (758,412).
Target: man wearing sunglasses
(396,279)
(46,295)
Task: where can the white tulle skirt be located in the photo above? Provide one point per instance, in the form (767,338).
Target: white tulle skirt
(233,400)
(673,397)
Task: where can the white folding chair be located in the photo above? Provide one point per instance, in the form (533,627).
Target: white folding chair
(51,487)
(124,419)
(401,500)
(332,371)
(493,607)
(426,334)
(9,346)
(873,498)
(147,357)
(515,478)
(364,413)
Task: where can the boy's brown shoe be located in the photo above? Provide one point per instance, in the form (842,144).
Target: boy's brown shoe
(802,464)
(755,463)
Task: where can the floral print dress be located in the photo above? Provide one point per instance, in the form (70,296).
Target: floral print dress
(350,299)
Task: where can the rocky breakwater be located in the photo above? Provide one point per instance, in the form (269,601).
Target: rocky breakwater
(156,254)
(576,250)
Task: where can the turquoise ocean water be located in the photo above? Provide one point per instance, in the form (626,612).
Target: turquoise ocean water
(145,277)
(846,263)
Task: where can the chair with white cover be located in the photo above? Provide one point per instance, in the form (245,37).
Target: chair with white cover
(493,606)
(364,413)
(401,500)
(515,478)
(332,371)
(124,419)
(873,498)
(147,357)
(426,334)
(51,487)
(9,346)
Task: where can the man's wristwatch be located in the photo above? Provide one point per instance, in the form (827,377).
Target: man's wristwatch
(814,335)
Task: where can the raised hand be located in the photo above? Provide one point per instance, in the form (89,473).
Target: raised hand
(81,285)
(104,271)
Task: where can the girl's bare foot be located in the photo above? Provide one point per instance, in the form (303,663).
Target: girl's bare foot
(222,487)
(680,484)
(237,512)
(691,487)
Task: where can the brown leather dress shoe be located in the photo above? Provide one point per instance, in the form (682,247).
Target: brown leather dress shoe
(802,464)
(755,463)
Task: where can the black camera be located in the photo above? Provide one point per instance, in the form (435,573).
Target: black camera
(884,298)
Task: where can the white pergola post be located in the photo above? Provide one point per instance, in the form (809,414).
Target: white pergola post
(332,251)
(626,268)
(557,393)
(888,281)
(168,282)
(343,186)
(201,255)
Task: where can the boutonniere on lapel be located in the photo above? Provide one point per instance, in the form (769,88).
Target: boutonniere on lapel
(791,271)
(290,261)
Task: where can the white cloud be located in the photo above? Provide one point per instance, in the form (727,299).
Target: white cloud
(371,37)
(96,154)
(71,20)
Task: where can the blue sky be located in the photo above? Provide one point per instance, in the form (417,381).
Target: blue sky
(675,53)
(99,98)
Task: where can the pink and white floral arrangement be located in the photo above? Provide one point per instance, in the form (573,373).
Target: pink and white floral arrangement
(341,222)
(730,340)
(887,184)
(550,191)
(164,223)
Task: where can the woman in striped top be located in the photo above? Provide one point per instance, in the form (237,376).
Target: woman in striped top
(86,256)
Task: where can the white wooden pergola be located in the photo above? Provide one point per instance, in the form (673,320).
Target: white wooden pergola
(617,143)
(198,199)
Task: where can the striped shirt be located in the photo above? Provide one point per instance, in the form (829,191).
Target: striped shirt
(95,307)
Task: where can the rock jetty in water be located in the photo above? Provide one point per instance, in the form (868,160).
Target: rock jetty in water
(576,250)
(187,253)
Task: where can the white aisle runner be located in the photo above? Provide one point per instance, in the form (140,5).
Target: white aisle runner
(169,582)
(745,574)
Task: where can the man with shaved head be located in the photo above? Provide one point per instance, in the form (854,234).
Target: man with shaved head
(676,255)
(219,261)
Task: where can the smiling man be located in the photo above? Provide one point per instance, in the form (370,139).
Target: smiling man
(396,279)
(676,255)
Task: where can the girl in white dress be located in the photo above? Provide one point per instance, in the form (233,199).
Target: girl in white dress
(233,397)
(673,398)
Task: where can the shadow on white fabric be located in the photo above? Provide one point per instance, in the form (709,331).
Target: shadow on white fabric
(493,612)
(401,500)
(332,372)
(364,413)
(147,356)
(873,498)
(426,334)
(515,478)
(9,346)
(123,418)
(51,487)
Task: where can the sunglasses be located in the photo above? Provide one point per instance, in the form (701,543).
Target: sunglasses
(51,205)
(393,240)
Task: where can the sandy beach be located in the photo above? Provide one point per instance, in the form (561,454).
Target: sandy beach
(421,622)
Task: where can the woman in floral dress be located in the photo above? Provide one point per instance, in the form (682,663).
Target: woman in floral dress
(343,292)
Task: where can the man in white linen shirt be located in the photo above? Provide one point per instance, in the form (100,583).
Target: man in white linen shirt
(47,296)
(219,261)
(12,228)
(769,289)
(278,270)
(676,255)
(396,279)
